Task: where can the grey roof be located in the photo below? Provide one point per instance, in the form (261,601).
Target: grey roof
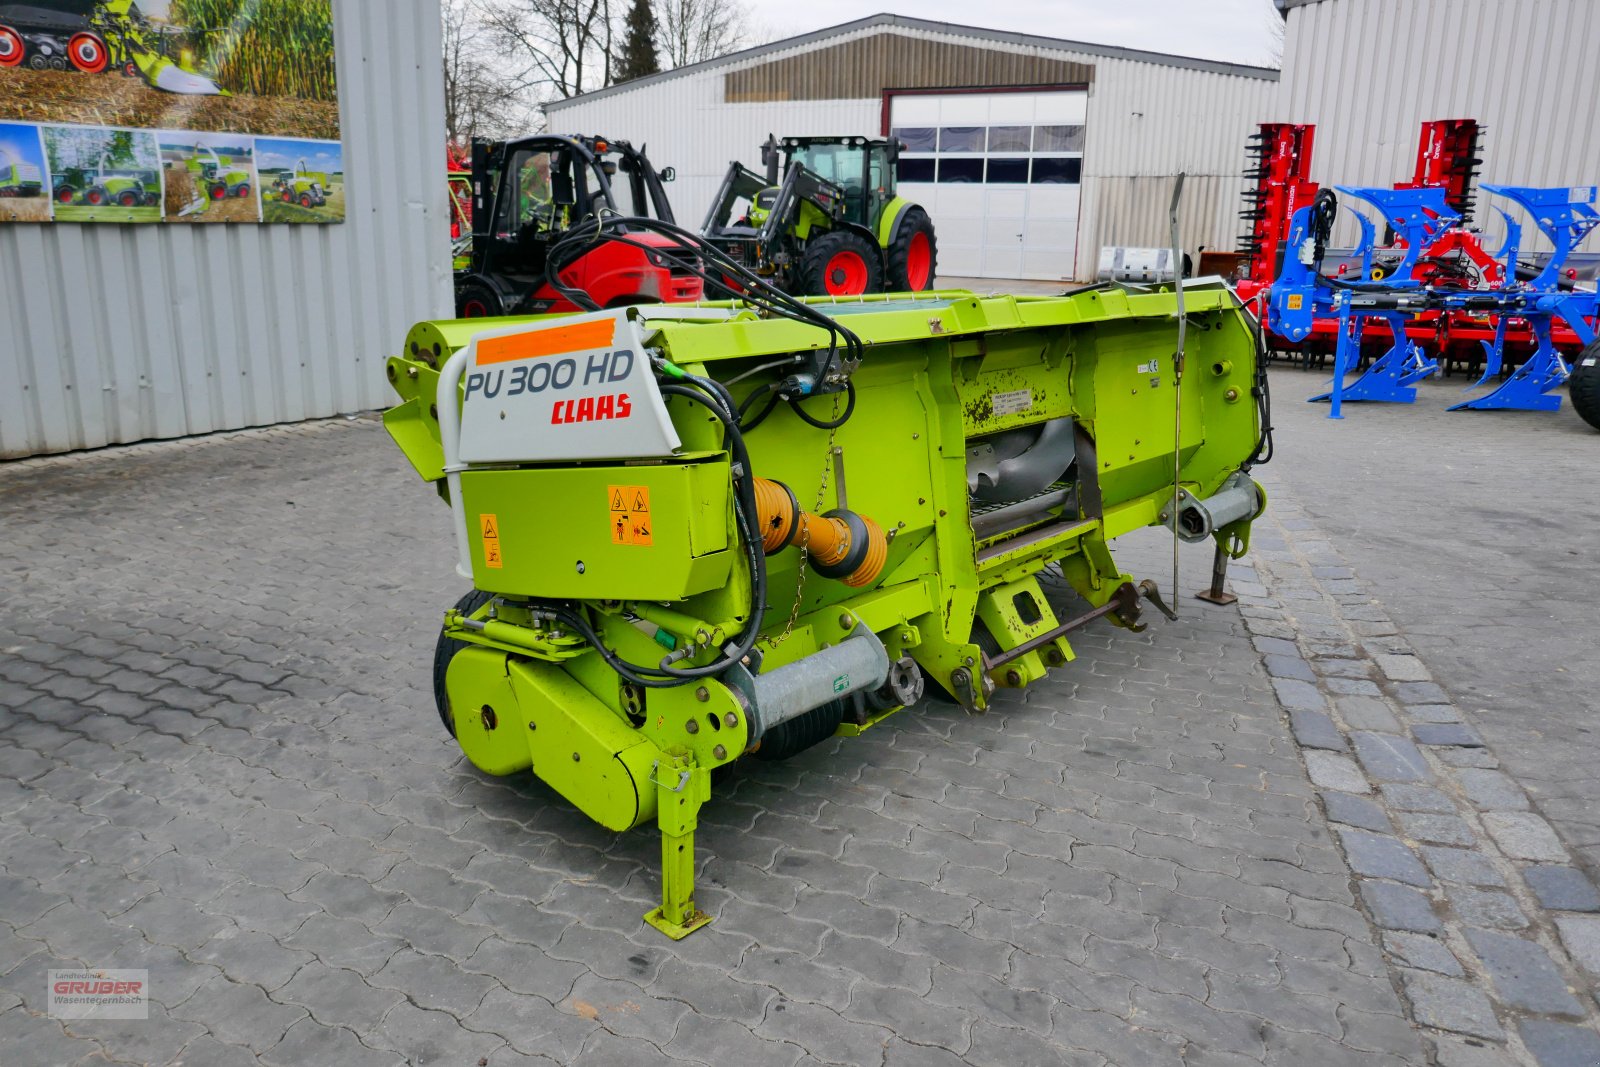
(885,19)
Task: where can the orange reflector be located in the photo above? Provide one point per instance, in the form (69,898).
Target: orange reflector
(552,341)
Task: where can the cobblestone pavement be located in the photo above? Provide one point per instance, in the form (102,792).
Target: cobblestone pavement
(1479,529)
(220,762)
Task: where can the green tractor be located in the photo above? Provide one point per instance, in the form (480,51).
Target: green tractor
(219,178)
(304,187)
(833,226)
(129,188)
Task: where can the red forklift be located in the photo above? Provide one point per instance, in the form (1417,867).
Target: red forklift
(529,193)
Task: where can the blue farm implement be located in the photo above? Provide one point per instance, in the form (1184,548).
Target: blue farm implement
(1303,293)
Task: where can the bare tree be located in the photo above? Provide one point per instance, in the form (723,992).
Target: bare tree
(1277,30)
(478,100)
(562,47)
(696,30)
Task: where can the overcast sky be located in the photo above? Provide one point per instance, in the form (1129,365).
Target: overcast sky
(1234,30)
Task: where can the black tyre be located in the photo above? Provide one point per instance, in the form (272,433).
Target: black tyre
(445,650)
(475,300)
(1584,384)
(913,254)
(841,263)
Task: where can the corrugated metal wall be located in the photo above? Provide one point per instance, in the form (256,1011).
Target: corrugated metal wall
(112,333)
(1368,72)
(1146,122)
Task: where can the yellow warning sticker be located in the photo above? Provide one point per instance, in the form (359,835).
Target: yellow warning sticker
(1295,300)
(489,530)
(630,514)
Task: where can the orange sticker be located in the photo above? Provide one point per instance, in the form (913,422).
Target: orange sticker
(629,514)
(550,341)
(489,531)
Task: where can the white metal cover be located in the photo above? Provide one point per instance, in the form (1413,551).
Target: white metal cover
(577,388)
(1001,174)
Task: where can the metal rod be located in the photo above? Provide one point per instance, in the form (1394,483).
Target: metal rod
(1177,379)
(1219,574)
(1119,601)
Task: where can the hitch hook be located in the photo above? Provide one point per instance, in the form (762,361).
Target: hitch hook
(1152,592)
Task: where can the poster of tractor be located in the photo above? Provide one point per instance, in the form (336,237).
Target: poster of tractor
(209,177)
(302,181)
(208,75)
(102,175)
(22,169)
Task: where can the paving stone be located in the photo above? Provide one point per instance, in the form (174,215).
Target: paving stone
(1562,888)
(1436,829)
(1492,790)
(1382,856)
(1389,758)
(1313,729)
(1523,973)
(1367,713)
(1401,668)
(1351,687)
(1524,836)
(1451,1004)
(1465,866)
(1423,952)
(1397,907)
(1418,798)
(1560,1045)
(1331,771)
(1356,811)
(1433,713)
(1293,694)
(1468,757)
(1581,935)
(1281,666)
(1486,907)
(1420,693)
(1446,733)
(1454,1051)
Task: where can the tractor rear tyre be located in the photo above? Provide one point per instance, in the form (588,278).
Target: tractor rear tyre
(129,199)
(445,650)
(913,254)
(475,300)
(305,200)
(841,263)
(243,191)
(1583,386)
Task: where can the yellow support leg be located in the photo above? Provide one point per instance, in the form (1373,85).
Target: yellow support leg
(681,787)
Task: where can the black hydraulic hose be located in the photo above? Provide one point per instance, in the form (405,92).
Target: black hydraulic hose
(753,289)
(849,409)
(715,398)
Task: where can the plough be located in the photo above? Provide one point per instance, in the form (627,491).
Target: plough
(1302,293)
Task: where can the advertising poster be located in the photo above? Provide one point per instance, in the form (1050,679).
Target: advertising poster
(177,111)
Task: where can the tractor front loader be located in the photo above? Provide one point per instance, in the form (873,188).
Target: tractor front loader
(834,225)
(678,564)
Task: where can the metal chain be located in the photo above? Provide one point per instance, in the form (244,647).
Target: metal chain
(805,531)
